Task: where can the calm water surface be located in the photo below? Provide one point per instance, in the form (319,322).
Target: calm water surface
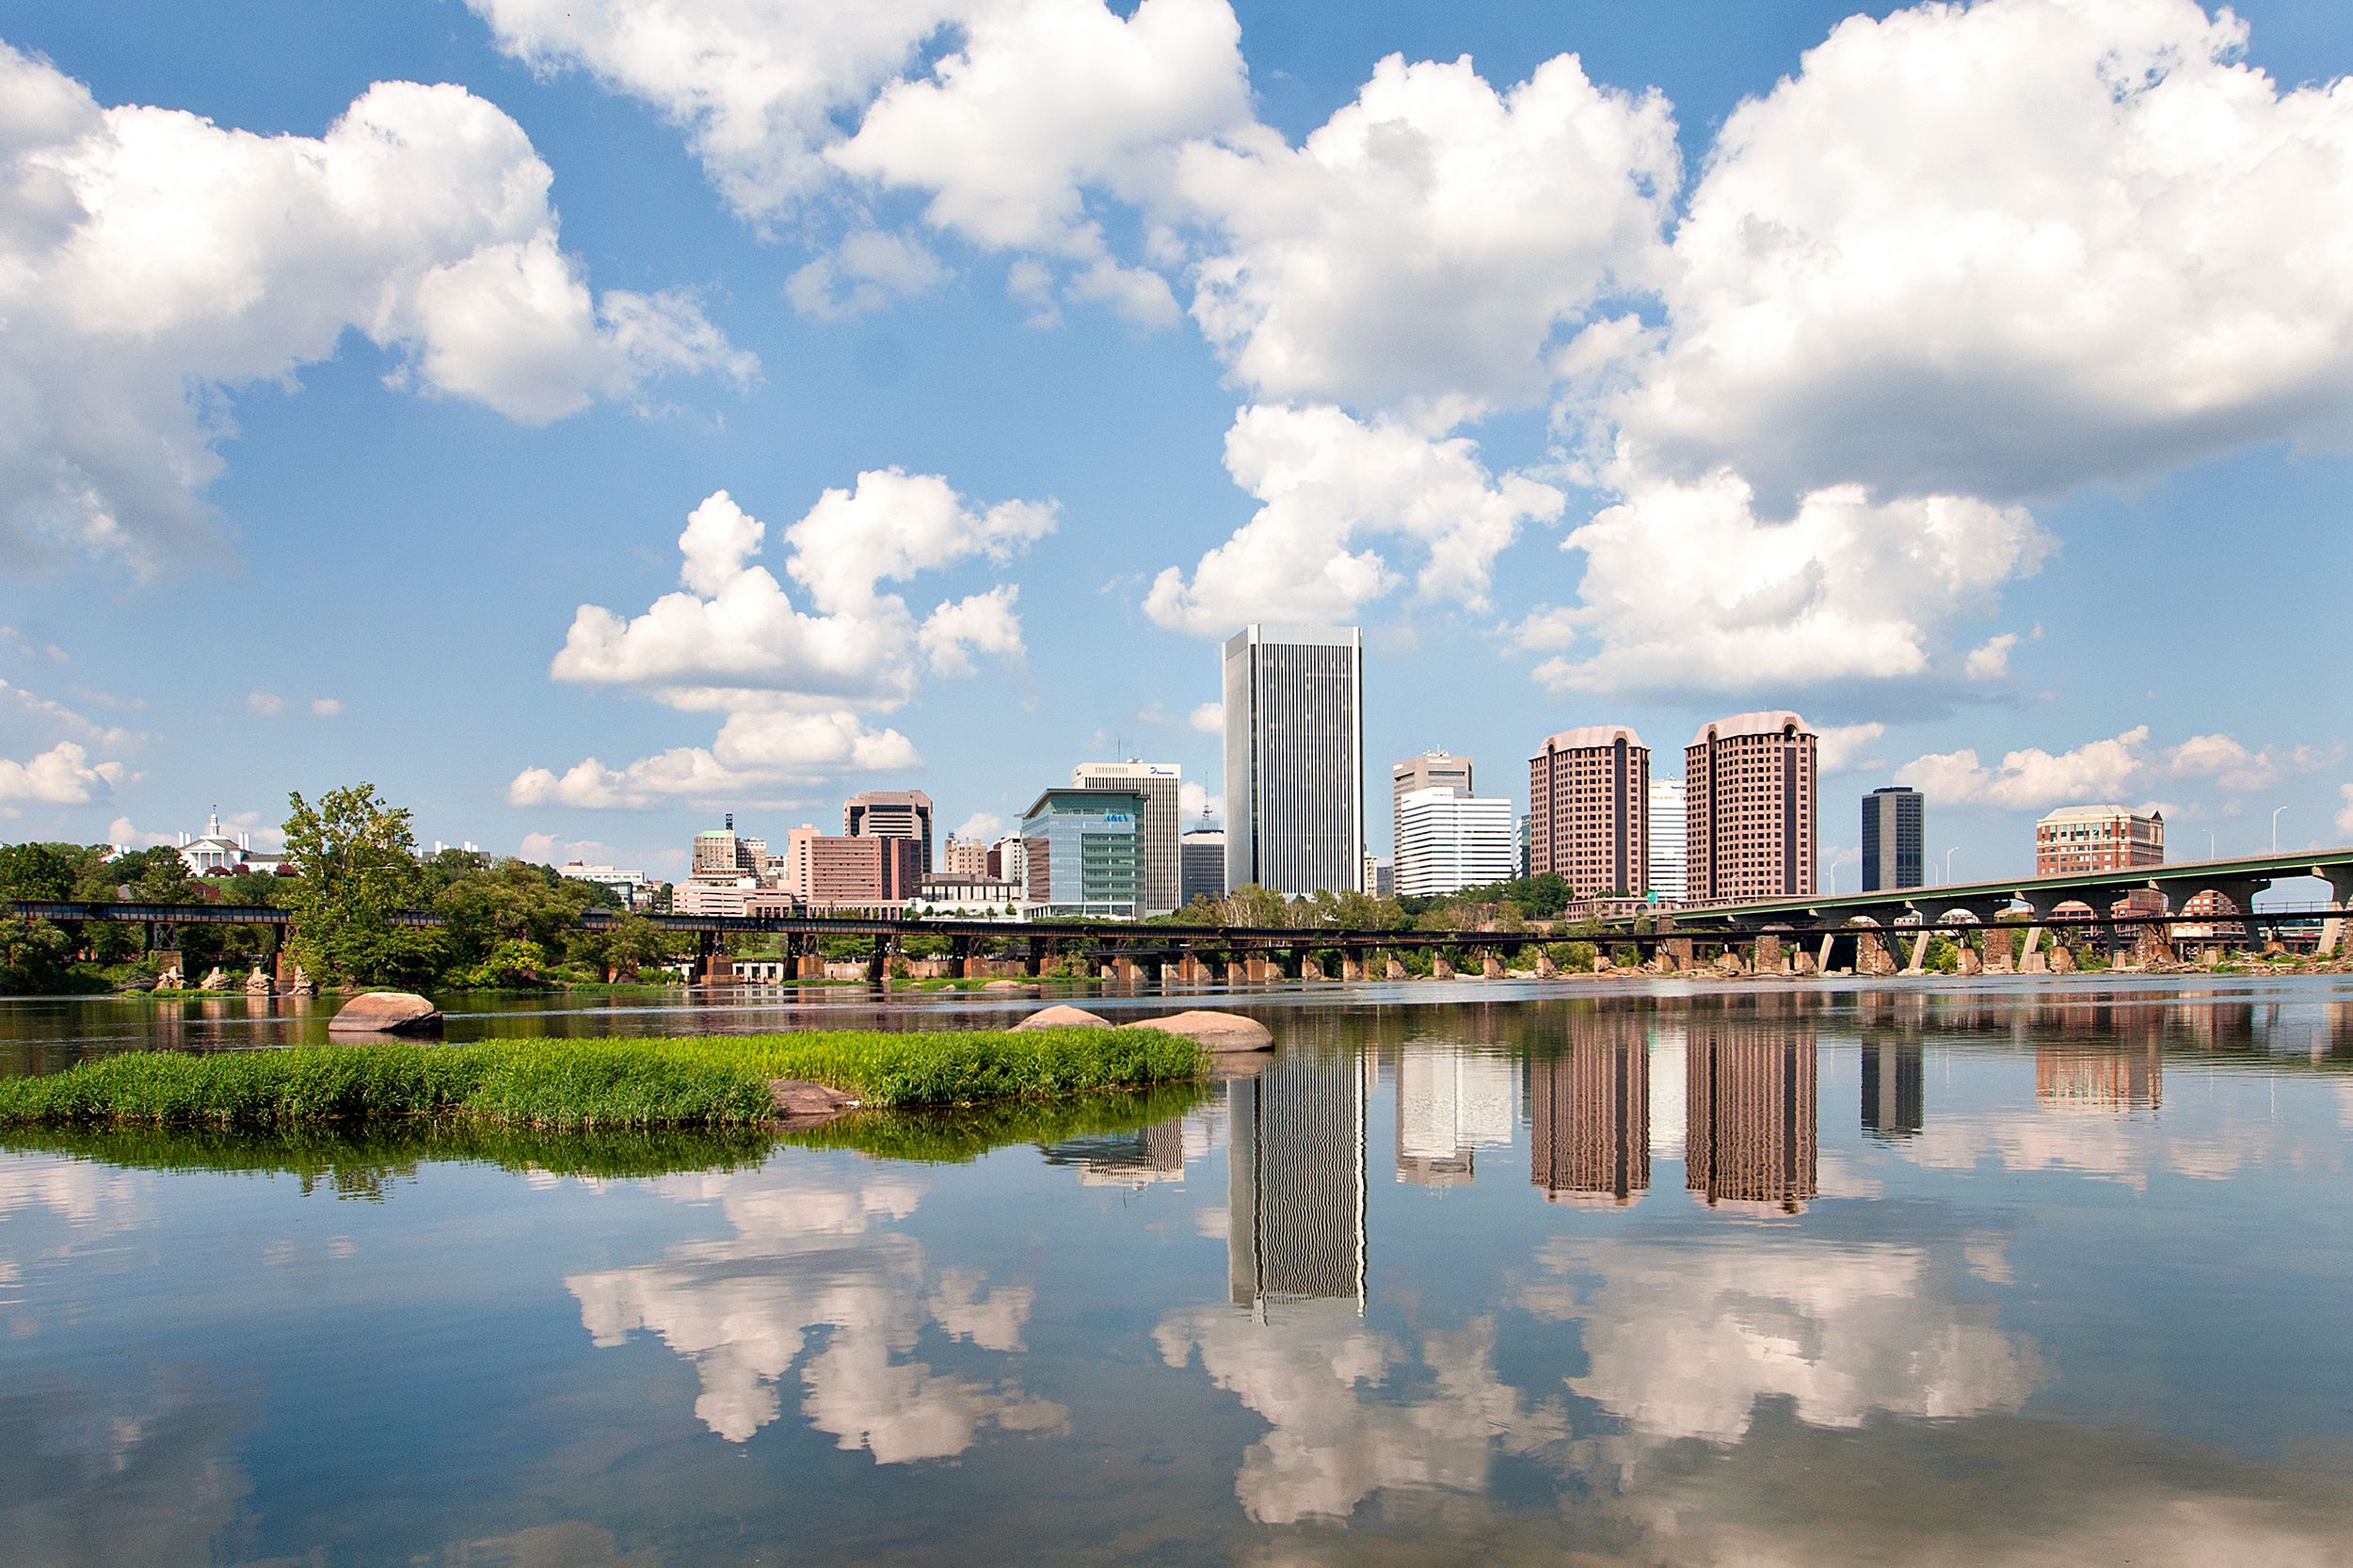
(2055,1273)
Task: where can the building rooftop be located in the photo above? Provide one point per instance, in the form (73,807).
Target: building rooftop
(1590,735)
(2095,813)
(1765,721)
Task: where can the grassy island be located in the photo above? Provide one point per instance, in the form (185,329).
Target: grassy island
(701,1082)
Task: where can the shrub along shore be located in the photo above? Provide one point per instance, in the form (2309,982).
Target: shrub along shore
(698,1081)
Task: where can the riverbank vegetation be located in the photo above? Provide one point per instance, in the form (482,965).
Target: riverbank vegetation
(704,1081)
(369,1160)
(351,864)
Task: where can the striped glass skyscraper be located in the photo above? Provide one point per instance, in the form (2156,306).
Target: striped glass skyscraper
(1295,759)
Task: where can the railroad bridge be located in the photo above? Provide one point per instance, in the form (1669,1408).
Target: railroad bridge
(1803,934)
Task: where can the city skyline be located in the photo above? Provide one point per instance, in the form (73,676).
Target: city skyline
(767,379)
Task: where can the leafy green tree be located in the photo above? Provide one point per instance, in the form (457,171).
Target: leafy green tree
(356,858)
(36,956)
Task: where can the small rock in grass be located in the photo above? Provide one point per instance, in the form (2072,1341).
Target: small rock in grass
(799,1102)
(387,1013)
(1217,1030)
(1062,1015)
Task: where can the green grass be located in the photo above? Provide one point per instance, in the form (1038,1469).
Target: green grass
(588,1084)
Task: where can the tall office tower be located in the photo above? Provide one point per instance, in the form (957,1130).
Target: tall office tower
(1295,759)
(1891,838)
(1431,770)
(2098,839)
(1669,855)
(1451,1103)
(1749,1118)
(1894,1096)
(1447,842)
(1295,1180)
(1747,799)
(1201,865)
(1084,853)
(964,856)
(1589,1115)
(890,814)
(1160,885)
(1528,850)
(1380,877)
(1589,810)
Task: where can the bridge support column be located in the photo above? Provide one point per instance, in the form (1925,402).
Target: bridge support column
(1918,962)
(1351,965)
(2032,958)
(962,964)
(1125,970)
(1805,963)
(1972,961)
(1770,957)
(1440,969)
(1545,967)
(2332,927)
(1490,966)
(1310,967)
(1238,970)
(1871,956)
(1821,960)
(878,962)
(1393,967)
(711,959)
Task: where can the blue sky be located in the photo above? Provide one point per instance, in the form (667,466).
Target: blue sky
(1974,381)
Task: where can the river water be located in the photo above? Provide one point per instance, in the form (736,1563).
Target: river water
(2023,1272)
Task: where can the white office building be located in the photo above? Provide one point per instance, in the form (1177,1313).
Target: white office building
(1669,854)
(1449,841)
(1295,759)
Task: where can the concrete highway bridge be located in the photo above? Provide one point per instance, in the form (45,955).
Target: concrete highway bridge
(1797,936)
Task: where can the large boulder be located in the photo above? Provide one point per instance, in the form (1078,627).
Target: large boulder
(387,1013)
(1062,1015)
(801,1103)
(1219,1032)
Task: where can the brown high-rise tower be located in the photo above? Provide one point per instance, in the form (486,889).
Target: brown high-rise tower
(1748,798)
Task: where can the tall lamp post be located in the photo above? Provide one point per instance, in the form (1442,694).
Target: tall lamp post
(2275,827)
(1948,864)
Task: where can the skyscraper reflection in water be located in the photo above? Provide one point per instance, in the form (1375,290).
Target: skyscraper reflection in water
(1893,1098)
(1589,1111)
(1451,1103)
(1295,1185)
(1749,1119)
(2095,1078)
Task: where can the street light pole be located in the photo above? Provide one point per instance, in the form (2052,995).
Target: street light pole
(2275,827)
(1949,865)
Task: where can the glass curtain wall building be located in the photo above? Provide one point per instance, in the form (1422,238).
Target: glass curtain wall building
(1084,850)
(1295,759)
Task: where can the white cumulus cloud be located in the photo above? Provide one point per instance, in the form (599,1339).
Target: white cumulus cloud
(1208,718)
(1688,585)
(62,776)
(797,684)
(2008,248)
(1428,243)
(2031,778)
(1324,479)
(152,261)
